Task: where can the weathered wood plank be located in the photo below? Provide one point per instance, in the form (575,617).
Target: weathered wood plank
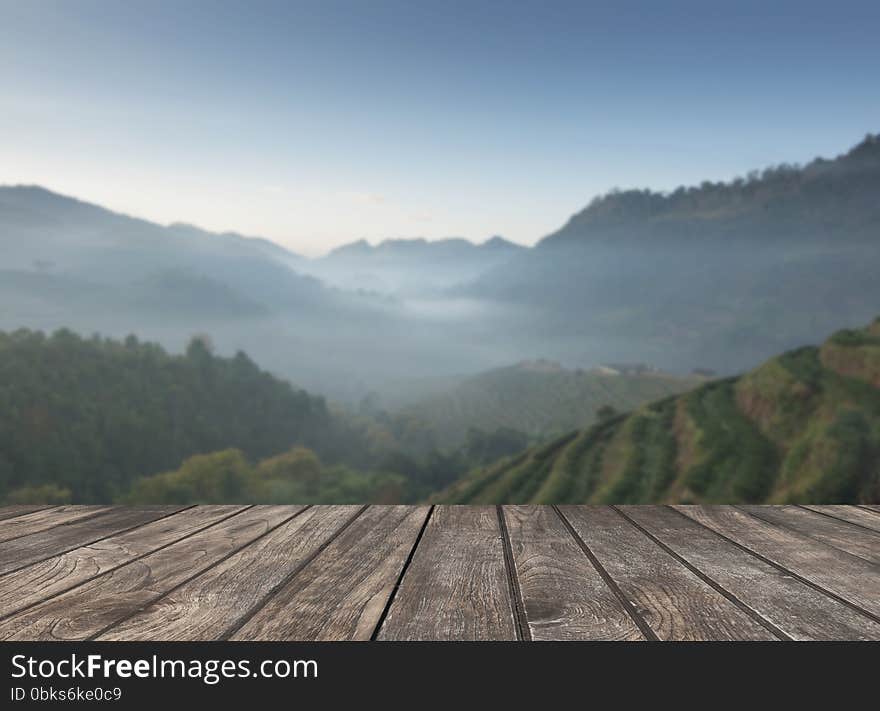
(675,602)
(851,514)
(809,572)
(341,594)
(845,575)
(564,596)
(89,609)
(20,510)
(35,547)
(840,535)
(209,605)
(53,576)
(456,587)
(44,519)
(871,507)
(796,609)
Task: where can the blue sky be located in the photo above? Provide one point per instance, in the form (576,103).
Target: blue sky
(316,123)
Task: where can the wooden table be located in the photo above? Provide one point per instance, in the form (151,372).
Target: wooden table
(440,573)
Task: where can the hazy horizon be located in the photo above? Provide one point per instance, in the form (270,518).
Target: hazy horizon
(318,124)
(312,251)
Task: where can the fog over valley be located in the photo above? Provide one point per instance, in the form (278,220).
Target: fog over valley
(169,364)
(716,277)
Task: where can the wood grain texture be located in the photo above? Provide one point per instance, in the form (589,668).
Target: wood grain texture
(843,536)
(35,547)
(210,604)
(843,574)
(342,593)
(45,518)
(53,576)
(851,514)
(460,573)
(675,603)
(564,596)
(456,587)
(800,611)
(89,609)
(20,510)
(871,507)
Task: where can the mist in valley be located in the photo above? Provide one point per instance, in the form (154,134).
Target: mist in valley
(389,372)
(716,278)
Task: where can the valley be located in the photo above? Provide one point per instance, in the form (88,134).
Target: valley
(487,372)
(801,428)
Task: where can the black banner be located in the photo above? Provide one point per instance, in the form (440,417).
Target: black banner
(133,674)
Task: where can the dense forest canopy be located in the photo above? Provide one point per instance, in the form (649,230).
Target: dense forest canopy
(90,415)
(87,419)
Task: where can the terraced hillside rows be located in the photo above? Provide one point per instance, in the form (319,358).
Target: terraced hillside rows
(802,428)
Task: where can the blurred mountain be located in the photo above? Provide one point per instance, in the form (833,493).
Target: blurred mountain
(719,275)
(54,236)
(411,267)
(716,277)
(804,427)
(72,264)
(539,398)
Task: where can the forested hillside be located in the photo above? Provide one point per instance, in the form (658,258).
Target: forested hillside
(87,420)
(88,416)
(540,398)
(803,427)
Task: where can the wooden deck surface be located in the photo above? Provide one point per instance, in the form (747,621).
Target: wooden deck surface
(440,573)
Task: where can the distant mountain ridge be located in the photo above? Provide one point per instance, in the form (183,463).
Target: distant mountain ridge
(72,264)
(421,247)
(804,427)
(411,267)
(717,276)
(266,245)
(35,206)
(54,234)
(799,201)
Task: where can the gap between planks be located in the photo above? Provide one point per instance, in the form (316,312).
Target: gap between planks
(766,624)
(134,559)
(14,511)
(244,619)
(838,517)
(375,634)
(79,543)
(69,515)
(523,631)
(628,607)
(187,579)
(516,601)
(783,569)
